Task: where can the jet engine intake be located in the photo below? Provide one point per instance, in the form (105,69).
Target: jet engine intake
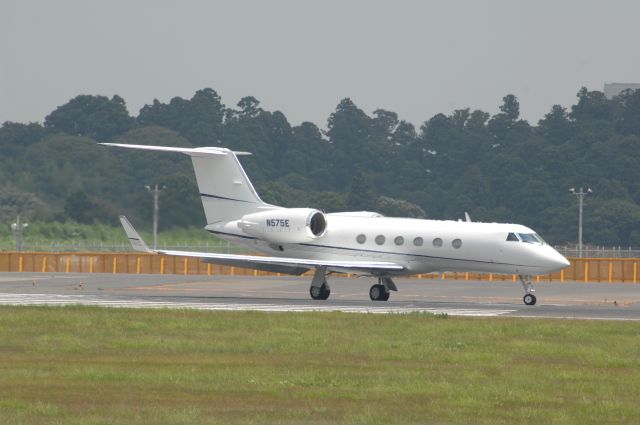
(285,225)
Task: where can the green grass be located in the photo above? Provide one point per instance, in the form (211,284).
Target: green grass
(84,365)
(70,236)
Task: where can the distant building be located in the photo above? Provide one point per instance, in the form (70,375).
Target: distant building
(614,89)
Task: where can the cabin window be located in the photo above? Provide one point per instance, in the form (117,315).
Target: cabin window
(437,242)
(361,238)
(456,243)
(399,240)
(512,238)
(380,239)
(418,241)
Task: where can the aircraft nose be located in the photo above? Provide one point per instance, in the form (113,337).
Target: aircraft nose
(556,260)
(562,261)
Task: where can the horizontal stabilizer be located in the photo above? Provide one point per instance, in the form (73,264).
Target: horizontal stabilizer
(136,241)
(204,151)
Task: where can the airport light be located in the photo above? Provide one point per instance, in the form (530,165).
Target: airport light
(580,194)
(155,192)
(17,228)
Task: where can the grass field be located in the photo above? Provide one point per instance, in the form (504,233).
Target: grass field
(85,365)
(71,236)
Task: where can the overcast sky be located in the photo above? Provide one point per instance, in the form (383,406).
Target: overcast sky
(416,58)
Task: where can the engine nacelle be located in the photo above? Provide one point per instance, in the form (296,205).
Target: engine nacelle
(286,225)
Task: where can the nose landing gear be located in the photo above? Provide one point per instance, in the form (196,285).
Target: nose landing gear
(529,298)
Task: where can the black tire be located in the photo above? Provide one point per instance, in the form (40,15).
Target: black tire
(378,293)
(319,292)
(374,292)
(529,299)
(325,293)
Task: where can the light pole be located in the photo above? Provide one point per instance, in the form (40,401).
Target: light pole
(155,192)
(17,228)
(580,194)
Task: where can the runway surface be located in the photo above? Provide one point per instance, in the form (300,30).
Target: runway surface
(455,298)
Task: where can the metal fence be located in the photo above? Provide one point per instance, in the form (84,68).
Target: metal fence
(595,251)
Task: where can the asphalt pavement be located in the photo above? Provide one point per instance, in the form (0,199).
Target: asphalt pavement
(567,300)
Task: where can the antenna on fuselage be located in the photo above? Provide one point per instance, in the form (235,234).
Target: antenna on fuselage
(466,217)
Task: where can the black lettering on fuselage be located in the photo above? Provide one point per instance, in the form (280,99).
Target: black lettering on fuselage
(278,222)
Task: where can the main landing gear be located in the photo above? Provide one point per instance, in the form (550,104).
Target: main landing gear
(380,291)
(320,290)
(319,287)
(529,298)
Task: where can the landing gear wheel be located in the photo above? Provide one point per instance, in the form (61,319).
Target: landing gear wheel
(378,293)
(320,292)
(529,299)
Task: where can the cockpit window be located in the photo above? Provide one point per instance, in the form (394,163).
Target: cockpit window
(540,238)
(529,237)
(512,238)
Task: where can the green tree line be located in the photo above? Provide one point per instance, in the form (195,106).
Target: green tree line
(496,167)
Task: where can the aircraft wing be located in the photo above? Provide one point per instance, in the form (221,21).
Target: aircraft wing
(288,265)
(295,266)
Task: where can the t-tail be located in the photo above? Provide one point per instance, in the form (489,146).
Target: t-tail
(225,190)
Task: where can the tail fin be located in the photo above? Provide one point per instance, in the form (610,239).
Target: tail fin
(225,190)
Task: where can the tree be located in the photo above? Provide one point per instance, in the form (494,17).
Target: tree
(459,118)
(510,107)
(555,126)
(501,123)
(180,204)
(14,137)
(350,131)
(385,121)
(477,120)
(249,107)
(436,133)
(349,127)
(612,223)
(97,117)
(14,202)
(404,134)
(391,207)
(361,196)
(629,120)
(13,133)
(497,168)
(198,119)
(592,106)
(79,207)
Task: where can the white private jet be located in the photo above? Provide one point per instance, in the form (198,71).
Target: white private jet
(297,240)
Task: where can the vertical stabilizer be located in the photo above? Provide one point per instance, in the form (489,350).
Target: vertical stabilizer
(226,191)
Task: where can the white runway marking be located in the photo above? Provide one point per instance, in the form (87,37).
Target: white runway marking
(54,299)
